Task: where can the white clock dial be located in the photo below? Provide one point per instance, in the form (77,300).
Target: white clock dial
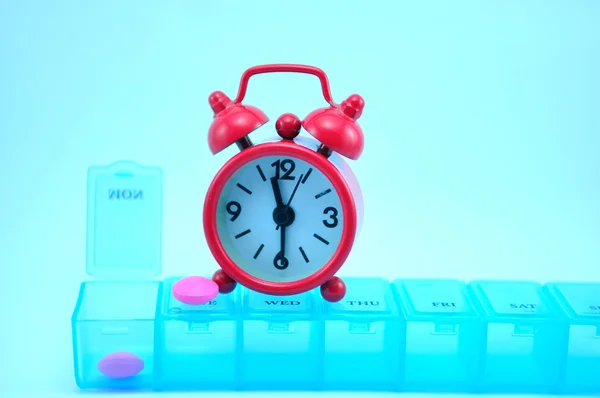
(251,236)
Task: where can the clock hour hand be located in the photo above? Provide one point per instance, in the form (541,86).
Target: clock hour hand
(276,192)
(287,206)
(280,261)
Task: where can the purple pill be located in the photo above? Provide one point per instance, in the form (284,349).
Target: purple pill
(195,290)
(120,365)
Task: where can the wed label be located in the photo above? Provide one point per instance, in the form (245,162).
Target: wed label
(300,303)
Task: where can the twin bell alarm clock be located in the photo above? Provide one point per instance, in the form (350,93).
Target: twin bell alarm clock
(280,217)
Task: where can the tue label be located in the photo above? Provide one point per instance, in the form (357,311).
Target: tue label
(181,308)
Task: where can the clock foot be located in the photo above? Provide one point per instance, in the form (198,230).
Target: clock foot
(333,290)
(225,282)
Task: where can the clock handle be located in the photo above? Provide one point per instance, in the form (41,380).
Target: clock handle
(293,68)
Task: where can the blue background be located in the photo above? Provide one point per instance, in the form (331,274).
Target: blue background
(482,129)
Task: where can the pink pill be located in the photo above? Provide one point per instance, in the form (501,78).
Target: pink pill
(195,290)
(120,365)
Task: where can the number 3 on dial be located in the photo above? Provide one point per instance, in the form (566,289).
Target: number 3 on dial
(332,221)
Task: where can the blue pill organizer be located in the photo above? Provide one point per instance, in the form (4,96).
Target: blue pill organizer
(404,335)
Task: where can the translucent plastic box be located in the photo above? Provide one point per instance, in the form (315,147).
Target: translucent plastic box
(281,338)
(115,314)
(581,305)
(362,336)
(114,317)
(198,345)
(525,337)
(442,337)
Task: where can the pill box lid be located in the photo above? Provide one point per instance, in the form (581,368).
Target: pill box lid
(580,300)
(504,299)
(427,298)
(124,221)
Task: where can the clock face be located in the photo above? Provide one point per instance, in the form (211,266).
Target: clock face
(267,235)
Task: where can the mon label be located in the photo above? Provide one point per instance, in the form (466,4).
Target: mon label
(125,194)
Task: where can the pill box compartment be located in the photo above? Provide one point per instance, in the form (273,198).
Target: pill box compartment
(114,317)
(115,314)
(362,337)
(281,337)
(580,303)
(443,335)
(197,344)
(525,336)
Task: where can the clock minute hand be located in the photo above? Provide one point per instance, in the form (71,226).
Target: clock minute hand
(282,242)
(294,191)
(280,261)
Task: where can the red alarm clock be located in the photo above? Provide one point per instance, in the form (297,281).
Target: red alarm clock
(280,217)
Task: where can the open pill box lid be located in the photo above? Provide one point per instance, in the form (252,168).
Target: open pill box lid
(124,221)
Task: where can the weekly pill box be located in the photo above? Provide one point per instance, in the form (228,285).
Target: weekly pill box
(130,332)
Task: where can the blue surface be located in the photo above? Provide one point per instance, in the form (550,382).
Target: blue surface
(481,127)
